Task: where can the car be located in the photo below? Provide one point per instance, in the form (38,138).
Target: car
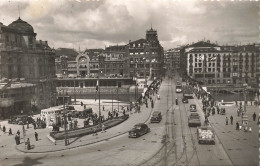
(156,117)
(138,130)
(21,120)
(185,100)
(193,108)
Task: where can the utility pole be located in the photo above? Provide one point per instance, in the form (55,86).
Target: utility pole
(117,99)
(74,90)
(99,90)
(65,119)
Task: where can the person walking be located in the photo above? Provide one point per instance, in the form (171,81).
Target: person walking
(18,132)
(28,144)
(36,136)
(10,132)
(103,128)
(94,131)
(4,129)
(237,126)
(254,116)
(176,100)
(226,120)
(231,120)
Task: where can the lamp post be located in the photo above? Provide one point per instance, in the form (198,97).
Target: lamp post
(99,91)
(244,115)
(74,90)
(65,120)
(144,60)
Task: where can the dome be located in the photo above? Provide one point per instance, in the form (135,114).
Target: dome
(22,26)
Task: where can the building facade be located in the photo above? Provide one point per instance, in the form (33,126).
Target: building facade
(145,57)
(28,61)
(172,59)
(213,64)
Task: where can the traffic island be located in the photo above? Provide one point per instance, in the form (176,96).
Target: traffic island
(79,132)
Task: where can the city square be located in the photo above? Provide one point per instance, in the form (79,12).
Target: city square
(80,88)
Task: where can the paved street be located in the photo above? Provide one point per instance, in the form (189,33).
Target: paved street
(171,142)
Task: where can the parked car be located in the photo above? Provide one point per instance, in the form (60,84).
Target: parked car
(156,117)
(193,108)
(138,130)
(185,100)
(21,120)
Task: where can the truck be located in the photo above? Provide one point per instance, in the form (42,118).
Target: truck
(205,135)
(194,120)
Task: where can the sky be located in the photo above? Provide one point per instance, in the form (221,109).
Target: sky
(87,24)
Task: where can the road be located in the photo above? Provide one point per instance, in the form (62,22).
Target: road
(171,142)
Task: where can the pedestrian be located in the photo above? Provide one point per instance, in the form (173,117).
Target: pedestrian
(237,126)
(254,116)
(176,100)
(28,144)
(0,127)
(226,120)
(94,131)
(103,128)
(249,129)
(103,108)
(34,125)
(23,127)
(124,112)
(238,112)
(231,120)
(10,132)
(218,110)
(27,125)
(4,129)
(18,132)
(36,136)
(16,139)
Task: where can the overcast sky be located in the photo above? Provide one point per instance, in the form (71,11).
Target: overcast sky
(96,24)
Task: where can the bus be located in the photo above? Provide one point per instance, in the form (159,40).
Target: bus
(178,88)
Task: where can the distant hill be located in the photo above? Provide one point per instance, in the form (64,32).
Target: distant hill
(71,53)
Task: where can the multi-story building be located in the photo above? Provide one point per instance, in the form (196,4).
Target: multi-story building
(172,59)
(28,66)
(145,56)
(213,64)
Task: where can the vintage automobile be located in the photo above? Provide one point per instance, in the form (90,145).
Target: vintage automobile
(193,108)
(138,130)
(21,120)
(194,120)
(156,117)
(185,100)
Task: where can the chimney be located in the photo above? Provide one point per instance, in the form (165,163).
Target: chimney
(46,42)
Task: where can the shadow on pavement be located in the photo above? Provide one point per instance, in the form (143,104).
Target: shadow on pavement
(27,161)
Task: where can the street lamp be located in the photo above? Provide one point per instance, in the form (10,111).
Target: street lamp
(144,60)
(244,114)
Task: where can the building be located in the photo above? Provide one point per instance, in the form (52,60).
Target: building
(27,69)
(172,59)
(211,64)
(145,56)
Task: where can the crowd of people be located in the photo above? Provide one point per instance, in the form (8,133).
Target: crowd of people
(17,136)
(210,107)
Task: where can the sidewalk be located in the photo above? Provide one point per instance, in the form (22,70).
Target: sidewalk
(242,147)
(44,145)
